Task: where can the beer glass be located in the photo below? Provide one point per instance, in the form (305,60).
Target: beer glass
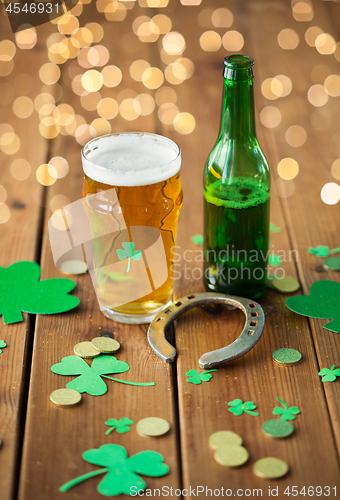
(132,196)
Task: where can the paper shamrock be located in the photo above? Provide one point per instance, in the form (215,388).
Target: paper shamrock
(196,378)
(285,412)
(128,252)
(323,302)
(90,379)
(197,239)
(274,260)
(274,229)
(21,291)
(329,375)
(121,425)
(323,250)
(2,345)
(122,472)
(238,407)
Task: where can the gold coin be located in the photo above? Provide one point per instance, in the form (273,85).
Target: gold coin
(222,438)
(65,397)
(270,468)
(73,267)
(286,284)
(105,344)
(231,455)
(86,350)
(152,427)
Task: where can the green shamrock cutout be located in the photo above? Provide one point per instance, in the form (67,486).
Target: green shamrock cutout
(323,303)
(197,239)
(122,472)
(329,375)
(128,252)
(90,380)
(21,291)
(196,378)
(2,345)
(274,260)
(121,425)
(285,412)
(320,250)
(238,407)
(274,229)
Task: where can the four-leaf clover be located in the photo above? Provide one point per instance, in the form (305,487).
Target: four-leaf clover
(329,375)
(285,412)
(90,379)
(2,345)
(21,290)
(121,425)
(196,378)
(238,407)
(122,472)
(128,252)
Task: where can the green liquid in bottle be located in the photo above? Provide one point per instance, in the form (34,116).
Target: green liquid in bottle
(236,237)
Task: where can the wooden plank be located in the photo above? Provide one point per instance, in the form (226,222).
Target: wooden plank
(203,409)
(19,241)
(313,223)
(53,456)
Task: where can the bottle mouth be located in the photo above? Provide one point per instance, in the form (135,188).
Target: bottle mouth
(238,67)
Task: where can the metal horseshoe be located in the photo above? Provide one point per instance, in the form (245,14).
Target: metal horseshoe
(249,336)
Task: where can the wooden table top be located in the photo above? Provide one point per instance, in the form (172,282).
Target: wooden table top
(42,444)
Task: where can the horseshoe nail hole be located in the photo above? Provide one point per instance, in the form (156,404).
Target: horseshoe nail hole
(168,311)
(159,319)
(252,305)
(191,296)
(253,323)
(178,304)
(254,314)
(250,332)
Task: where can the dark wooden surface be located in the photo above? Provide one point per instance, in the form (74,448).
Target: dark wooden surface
(43,444)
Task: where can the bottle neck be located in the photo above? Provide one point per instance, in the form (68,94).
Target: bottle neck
(238,113)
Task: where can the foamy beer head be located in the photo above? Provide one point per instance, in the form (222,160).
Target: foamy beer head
(131,159)
(132,196)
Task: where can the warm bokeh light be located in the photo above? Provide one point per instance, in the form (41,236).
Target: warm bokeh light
(6,67)
(5,213)
(233,41)
(281,85)
(173,43)
(288,39)
(112,76)
(325,44)
(96,30)
(270,116)
(210,41)
(137,69)
(68,24)
(222,18)
(312,34)
(296,136)
(58,202)
(163,23)
(167,113)
(335,169)
(152,78)
(115,11)
(165,95)
(268,88)
(23,107)
(49,127)
(46,174)
(288,169)
(147,104)
(84,134)
(91,101)
(184,123)
(332,85)
(108,108)
(3,195)
(61,166)
(49,73)
(330,193)
(26,39)
(7,50)
(303,11)
(9,143)
(317,95)
(101,126)
(92,80)
(20,169)
(130,109)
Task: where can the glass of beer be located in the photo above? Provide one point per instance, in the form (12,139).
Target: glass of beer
(132,196)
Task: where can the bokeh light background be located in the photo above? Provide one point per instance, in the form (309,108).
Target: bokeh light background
(115,65)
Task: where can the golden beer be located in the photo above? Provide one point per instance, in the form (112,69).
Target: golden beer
(133,221)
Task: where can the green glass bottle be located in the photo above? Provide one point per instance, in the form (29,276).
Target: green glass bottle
(236,192)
